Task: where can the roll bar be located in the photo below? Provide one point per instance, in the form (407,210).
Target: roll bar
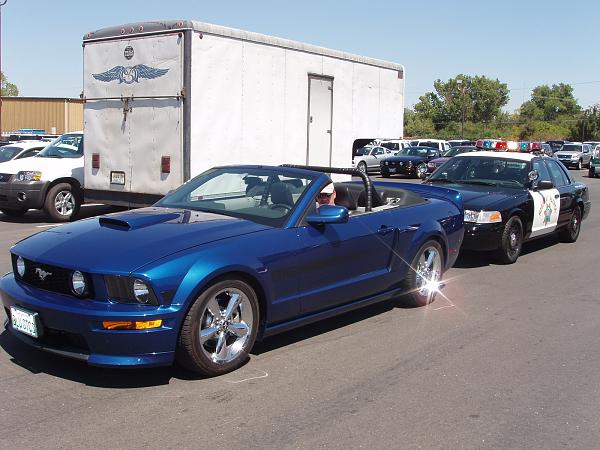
(344,171)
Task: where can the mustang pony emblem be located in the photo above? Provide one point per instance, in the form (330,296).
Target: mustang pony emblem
(42,273)
(129,75)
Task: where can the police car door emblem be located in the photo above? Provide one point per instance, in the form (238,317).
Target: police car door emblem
(547,207)
(129,75)
(42,274)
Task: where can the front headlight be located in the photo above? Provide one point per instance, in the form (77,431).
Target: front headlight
(482,216)
(141,292)
(574,157)
(20,266)
(29,175)
(78,283)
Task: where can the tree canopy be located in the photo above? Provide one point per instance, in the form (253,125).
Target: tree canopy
(7,89)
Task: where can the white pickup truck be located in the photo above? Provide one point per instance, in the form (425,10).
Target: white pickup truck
(52,180)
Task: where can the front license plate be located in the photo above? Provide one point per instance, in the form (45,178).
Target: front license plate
(24,321)
(392,169)
(117,178)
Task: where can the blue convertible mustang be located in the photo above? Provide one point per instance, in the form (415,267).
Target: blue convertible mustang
(234,255)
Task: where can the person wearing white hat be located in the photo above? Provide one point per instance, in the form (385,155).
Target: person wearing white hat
(326,196)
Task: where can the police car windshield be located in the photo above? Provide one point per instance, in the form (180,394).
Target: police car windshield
(66,146)
(483,170)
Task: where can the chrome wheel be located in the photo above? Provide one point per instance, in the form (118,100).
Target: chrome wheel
(64,203)
(225,325)
(429,271)
(362,167)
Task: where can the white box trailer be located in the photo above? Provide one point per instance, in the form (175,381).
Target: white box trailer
(164,101)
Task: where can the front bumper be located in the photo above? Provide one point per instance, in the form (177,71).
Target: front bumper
(569,162)
(482,236)
(399,170)
(23,195)
(72,327)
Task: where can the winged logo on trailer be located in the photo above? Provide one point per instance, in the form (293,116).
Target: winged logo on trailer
(129,75)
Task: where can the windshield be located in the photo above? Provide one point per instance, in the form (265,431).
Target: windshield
(457,151)
(571,148)
(7,153)
(265,196)
(484,170)
(413,151)
(66,146)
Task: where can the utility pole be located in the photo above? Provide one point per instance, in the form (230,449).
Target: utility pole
(462,105)
(2,3)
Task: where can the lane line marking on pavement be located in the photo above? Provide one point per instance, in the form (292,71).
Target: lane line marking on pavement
(442,307)
(47,226)
(248,379)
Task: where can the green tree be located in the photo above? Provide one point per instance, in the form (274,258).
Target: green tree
(463,98)
(587,127)
(550,103)
(417,125)
(7,89)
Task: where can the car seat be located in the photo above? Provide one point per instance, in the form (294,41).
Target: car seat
(281,194)
(345,197)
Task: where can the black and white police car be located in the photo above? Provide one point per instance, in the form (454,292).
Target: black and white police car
(512,197)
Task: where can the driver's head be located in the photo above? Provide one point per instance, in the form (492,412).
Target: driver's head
(327,195)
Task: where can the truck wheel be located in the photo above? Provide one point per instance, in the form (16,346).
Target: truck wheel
(511,242)
(220,328)
(571,232)
(424,275)
(62,203)
(579,165)
(14,212)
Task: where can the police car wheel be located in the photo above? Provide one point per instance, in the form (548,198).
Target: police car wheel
(511,242)
(571,232)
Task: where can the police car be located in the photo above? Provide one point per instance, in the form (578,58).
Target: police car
(512,197)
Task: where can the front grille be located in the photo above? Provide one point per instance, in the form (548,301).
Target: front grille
(5,177)
(47,277)
(63,340)
(118,288)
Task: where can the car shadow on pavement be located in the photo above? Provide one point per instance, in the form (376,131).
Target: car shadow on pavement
(323,326)
(37,361)
(468,259)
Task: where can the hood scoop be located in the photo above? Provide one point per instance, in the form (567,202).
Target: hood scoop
(133,221)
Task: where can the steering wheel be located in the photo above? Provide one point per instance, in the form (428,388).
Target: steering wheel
(287,208)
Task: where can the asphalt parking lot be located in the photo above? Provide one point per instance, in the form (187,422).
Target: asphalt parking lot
(508,359)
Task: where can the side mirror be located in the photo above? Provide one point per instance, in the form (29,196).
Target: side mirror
(328,214)
(544,184)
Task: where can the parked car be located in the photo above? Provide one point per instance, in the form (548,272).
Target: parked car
(208,270)
(439,144)
(575,154)
(460,142)
(395,145)
(52,180)
(367,158)
(406,161)
(20,150)
(556,145)
(433,164)
(510,198)
(595,163)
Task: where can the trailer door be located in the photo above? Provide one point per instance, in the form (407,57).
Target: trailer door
(133,114)
(320,102)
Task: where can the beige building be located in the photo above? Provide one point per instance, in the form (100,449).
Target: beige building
(54,115)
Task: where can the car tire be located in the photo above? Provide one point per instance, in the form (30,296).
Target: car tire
(362,166)
(570,233)
(579,165)
(415,289)
(14,212)
(591,172)
(217,335)
(511,241)
(62,203)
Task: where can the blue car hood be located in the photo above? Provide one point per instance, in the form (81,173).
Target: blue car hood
(122,242)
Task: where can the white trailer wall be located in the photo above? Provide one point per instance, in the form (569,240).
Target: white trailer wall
(250,103)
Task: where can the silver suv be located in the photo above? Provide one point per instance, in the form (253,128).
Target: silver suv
(575,154)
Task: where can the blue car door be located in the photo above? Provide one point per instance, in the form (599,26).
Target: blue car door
(339,263)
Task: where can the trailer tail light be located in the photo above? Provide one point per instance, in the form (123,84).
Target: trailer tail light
(95,160)
(165,164)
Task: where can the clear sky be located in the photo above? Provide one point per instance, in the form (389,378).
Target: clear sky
(522,43)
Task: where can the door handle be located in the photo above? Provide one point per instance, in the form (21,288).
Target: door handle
(384,229)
